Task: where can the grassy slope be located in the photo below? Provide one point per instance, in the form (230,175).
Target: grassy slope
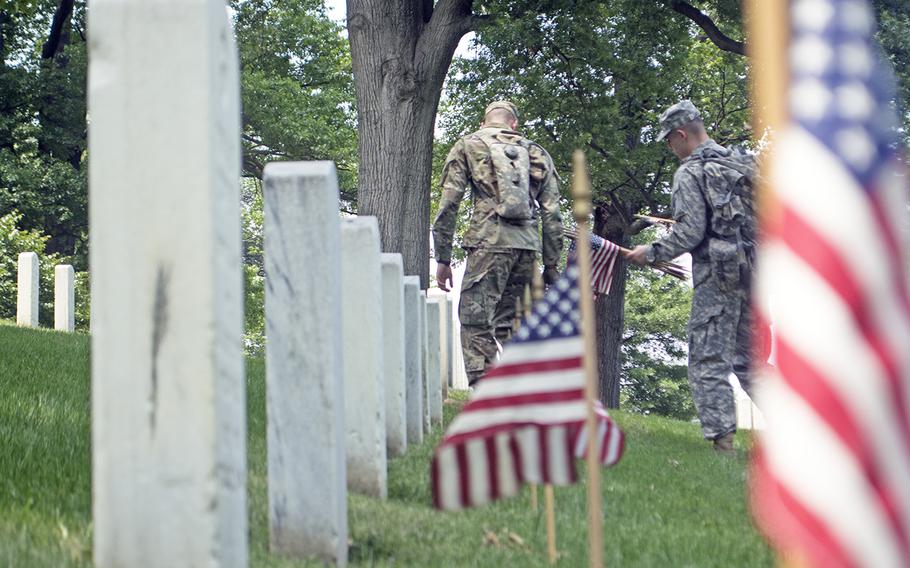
(671,501)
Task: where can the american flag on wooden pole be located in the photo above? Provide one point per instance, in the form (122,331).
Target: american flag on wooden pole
(831,478)
(525,420)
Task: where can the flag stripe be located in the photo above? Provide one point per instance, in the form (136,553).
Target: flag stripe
(537,382)
(529,398)
(493,465)
(508,371)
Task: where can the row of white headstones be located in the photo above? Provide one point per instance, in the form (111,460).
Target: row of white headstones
(27,294)
(347,384)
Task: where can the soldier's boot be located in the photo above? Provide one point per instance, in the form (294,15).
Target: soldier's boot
(473,377)
(724,445)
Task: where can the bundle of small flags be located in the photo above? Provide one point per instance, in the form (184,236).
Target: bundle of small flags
(603,255)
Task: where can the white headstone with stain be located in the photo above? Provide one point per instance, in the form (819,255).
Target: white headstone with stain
(168,389)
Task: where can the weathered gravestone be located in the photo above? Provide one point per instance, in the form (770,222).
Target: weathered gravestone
(450,331)
(412,356)
(305,392)
(64,298)
(168,389)
(27,290)
(393,354)
(422,313)
(434,381)
(445,340)
(361,315)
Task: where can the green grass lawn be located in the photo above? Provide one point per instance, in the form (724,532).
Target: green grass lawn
(670,501)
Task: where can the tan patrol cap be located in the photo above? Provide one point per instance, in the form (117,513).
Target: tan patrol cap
(506,105)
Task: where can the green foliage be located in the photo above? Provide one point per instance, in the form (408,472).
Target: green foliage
(13,241)
(670,502)
(252,214)
(43,128)
(894,36)
(596,75)
(654,346)
(297,87)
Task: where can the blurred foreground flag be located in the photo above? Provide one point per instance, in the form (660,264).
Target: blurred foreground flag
(831,480)
(525,420)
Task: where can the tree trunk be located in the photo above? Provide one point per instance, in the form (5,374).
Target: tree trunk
(610,313)
(401,51)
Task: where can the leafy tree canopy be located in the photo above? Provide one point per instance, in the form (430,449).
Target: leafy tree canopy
(297,87)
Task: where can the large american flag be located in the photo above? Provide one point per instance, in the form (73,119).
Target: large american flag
(831,480)
(525,420)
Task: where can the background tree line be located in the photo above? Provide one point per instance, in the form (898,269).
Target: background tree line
(588,74)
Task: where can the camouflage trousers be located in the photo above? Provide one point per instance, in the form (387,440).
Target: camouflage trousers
(720,334)
(493,280)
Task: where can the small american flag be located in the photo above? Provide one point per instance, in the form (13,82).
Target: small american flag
(525,420)
(831,483)
(603,258)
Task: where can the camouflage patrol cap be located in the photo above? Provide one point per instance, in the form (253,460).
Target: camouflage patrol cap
(506,105)
(678,115)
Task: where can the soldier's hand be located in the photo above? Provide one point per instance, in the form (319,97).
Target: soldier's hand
(637,255)
(550,275)
(443,275)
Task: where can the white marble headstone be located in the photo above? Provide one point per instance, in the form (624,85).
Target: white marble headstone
(27,290)
(393,354)
(168,388)
(305,390)
(364,386)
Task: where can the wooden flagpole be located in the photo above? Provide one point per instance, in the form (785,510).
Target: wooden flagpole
(551,522)
(536,294)
(529,299)
(767,34)
(581,195)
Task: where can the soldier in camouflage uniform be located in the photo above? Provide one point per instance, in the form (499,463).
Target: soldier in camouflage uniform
(513,185)
(719,325)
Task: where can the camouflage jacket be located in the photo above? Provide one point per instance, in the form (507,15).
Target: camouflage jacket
(468,165)
(690,210)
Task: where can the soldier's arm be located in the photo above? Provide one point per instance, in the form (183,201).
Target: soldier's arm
(691,220)
(548,198)
(454,182)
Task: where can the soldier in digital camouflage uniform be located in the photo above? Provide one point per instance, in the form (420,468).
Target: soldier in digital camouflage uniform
(719,325)
(501,244)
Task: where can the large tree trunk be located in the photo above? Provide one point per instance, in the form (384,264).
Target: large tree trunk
(401,51)
(610,313)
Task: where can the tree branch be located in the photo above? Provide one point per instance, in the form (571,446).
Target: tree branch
(450,20)
(61,17)
(717,37)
